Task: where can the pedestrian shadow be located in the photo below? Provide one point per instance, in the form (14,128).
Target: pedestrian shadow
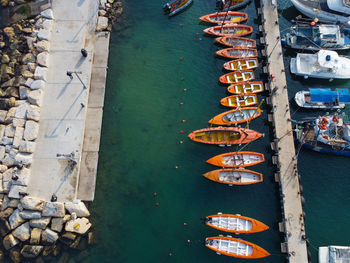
(80,2)
(80,61)
(63,90)
(74,39)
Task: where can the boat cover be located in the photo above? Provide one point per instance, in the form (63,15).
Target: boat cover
(328,95)
(339,254)
(327,58)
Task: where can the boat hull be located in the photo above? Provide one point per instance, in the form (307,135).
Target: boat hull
(239,100)
(229,30)
(234,176)
(237,53)
(236,42)
(224,135)
(256,226)
(242,64)
(225,17)
(237,5)
(177,6)
(246,88)
(237,159)
(237,77)
(301,102)
(254,250)
(236,116)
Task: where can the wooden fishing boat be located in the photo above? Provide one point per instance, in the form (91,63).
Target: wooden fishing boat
(234,176)
(229,30)
(239,100)
(237,159)
(237,77)
(232,41)
(225,17)
(246,88)
(175,6)
(236,116)
(241,64)
(235,223)
(239,52)
(224,135)
(235,247)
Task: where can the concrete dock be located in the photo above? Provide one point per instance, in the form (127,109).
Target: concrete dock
(283,145)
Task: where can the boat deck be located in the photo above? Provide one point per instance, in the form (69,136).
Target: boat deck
(293,220)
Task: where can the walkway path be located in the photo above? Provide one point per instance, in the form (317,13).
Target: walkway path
(288,176)
(57,157)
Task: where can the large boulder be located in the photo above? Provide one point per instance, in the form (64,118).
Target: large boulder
(47,14)
(22,232)
(33,113)
(35,236)
(44,34)
(17,191)
(23,159)
(49,236)
(28,214)
(32,203)
(27,147)
(43,59)
(18,137)
(40,223)
(42,45)
(102,23)
(77,207)
(40,73)
(54,209)
(9,241)
(31,130)
(17,122)
(57,223)
(37,84)
(29,251)
(6,213)
(35,97)
(15,219)
(28,58)
(79,225)
(23,176)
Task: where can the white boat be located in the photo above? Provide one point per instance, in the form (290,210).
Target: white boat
(333,254)
(325,64)
(322,98)
(327,11)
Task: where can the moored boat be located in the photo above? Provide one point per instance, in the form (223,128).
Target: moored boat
(239,52)
(235,223)
(246,88)
(326,134)
(236,116)
(175,6)
(237,77)
(225,17)
(234,176)
(241,64)
(224,135)
(325,64)
(239,100)
(232,41)
(237,159)
(322,98)
(229,30)
(235,247)
(227,5)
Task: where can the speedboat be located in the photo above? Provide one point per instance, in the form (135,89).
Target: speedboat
(325,64)
(237,159)
(235,223)
(225,17)
(326,11)
(319,36)
(326,134)
(235,247)
(175,6)
(322,98)
(234,176)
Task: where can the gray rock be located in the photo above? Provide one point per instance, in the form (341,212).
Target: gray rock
(6,213)
(23,92)
(9,241)
(6,140)
(27,147)
(10,115)
(31,251)
(37,84)
(28,58)
(40,73)
(42,46)
(102,23)
(31,131)
(49,236)
(22,232)
(102,12)
(47,14)
(32,203)
(44,34)
(8,160)
(54,209)
(3,114)
(79,225)
(21,111)
(27,214)
(2,152)
(16,122)
(35,236)
(31,67)
(35,97)
(43,59)
(30,42)
(57,224)
(29,82)
(16,191)
(18,137)
(15,219)
(33,113)
(40,223)
(3,168)
(23,158)
(10,131)
(77,207)
(47,24)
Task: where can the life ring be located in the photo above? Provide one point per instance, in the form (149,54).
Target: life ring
(335,118)
(324,119)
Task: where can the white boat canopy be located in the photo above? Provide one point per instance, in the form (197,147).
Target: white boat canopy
(327,58)
(339,5)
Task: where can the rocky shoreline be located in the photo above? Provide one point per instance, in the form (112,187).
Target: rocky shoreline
(30,226)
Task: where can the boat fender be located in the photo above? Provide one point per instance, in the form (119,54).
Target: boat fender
(229,236)
(306,76)
(220,213)
(302,200)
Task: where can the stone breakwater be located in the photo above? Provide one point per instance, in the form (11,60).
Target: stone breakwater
(30,226)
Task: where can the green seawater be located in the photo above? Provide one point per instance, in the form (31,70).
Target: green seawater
(140,147)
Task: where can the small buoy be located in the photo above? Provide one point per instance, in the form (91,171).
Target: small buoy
(200,38)
(197,34)
(176,167)
(185,89)
(183,121)
(157,204)
(181,58)
(154,194)
(181,103)
(185,224)
(181,25)
(181,132)
(170,254)
(183,79)
(188,241)
(181,142)
(312,23)
(272,76)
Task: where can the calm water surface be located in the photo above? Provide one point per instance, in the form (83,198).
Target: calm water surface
(140,148)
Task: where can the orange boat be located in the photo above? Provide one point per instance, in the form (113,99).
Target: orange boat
(237,77)
(234,176)
(235,247)
(243,100)
(232,41)
(229,30)
(237,159)
(225,17)
(238,52)
(242,64)
(235,223)
(246,88)
(236,116)
(224,135)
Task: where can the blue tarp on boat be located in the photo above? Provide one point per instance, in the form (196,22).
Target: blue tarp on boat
(328,95)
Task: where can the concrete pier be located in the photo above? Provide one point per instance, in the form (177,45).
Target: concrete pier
(283,145)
